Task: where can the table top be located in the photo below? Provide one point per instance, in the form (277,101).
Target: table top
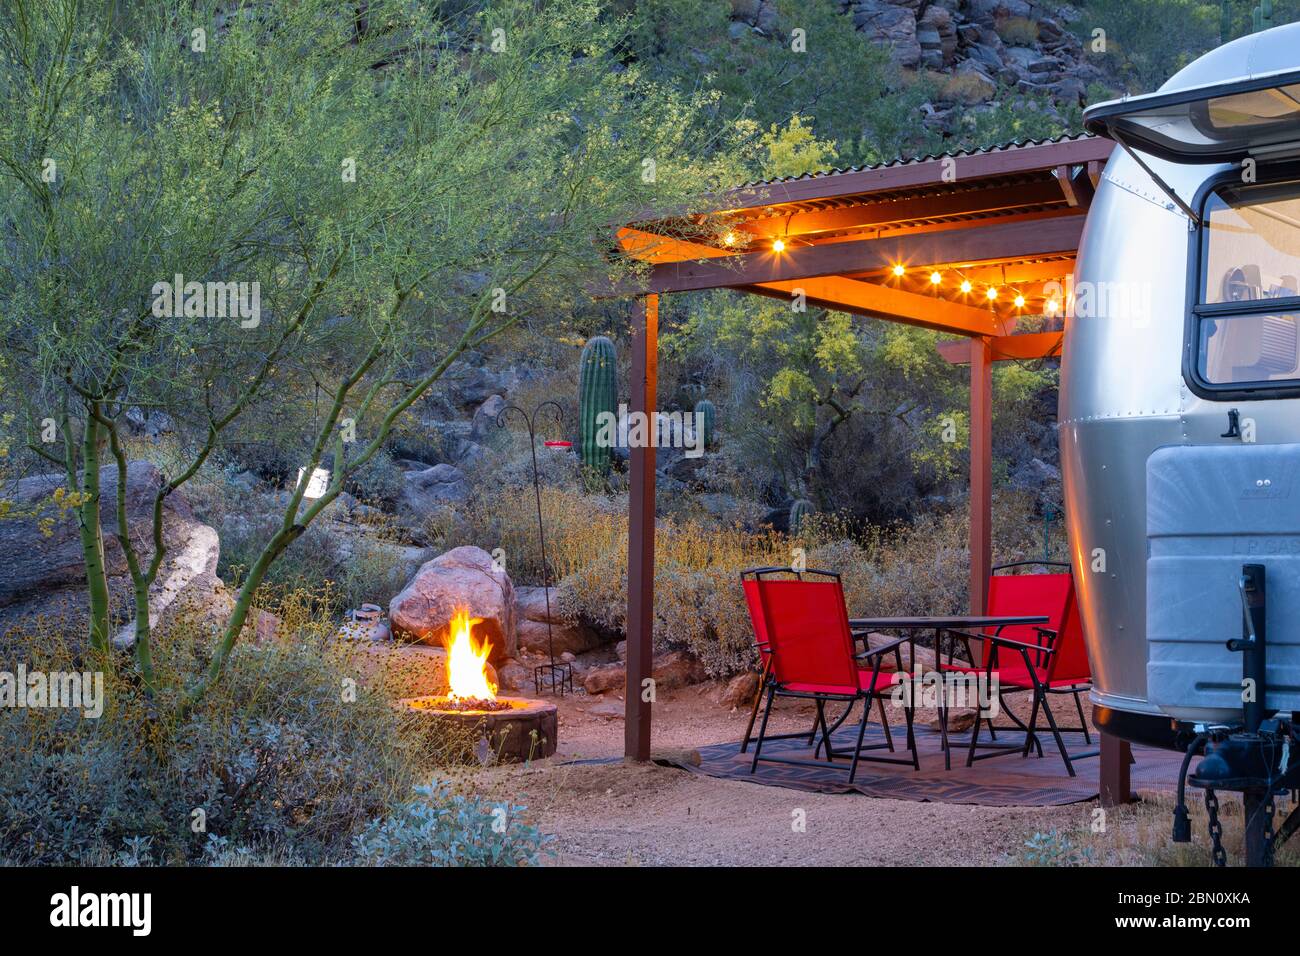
(948,621)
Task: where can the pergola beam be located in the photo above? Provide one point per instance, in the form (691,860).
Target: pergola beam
(1077,187)
(965,245)
(1014,273)
(879,301)
(1006,348)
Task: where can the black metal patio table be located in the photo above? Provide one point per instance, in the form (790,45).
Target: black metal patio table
(940,623)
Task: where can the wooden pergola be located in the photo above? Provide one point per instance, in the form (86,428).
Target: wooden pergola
(920,242)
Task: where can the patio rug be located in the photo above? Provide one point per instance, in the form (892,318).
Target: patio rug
(1001,781)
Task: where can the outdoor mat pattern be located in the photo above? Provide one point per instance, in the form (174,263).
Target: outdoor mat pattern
(1001,781)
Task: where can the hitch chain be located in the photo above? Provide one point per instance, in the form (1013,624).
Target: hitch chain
(1216,829)
(1269,810)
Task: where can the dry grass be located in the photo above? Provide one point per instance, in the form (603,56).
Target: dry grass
(1139,835)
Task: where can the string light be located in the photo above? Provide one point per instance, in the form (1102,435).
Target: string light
(899,270)
(991,293)
(729,238)
(778,246)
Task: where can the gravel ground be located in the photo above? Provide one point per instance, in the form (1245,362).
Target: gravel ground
(619,815)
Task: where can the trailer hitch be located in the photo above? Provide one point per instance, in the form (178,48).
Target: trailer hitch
(1251,758)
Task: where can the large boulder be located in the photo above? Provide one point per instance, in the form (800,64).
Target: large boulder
(44,576)
(531,608)
(671,670)
(462,578)
(892,25)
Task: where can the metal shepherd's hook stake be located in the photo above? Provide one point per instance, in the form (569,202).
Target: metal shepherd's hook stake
(559,673)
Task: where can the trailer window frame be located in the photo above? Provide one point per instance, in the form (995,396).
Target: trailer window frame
(1197,310)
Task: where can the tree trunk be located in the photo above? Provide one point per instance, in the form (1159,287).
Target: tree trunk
(92,539)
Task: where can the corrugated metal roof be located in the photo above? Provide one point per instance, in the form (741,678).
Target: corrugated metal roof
(918,160)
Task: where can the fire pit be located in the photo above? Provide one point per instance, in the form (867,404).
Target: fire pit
(510,729)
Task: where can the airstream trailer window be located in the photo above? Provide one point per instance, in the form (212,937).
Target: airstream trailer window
(1247,318)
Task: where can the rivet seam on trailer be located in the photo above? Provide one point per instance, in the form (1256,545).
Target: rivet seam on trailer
(1167,413)
(1163,203)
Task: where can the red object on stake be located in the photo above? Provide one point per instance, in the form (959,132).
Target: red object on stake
(558,444)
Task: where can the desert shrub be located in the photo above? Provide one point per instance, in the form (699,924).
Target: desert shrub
(557,468)
(269,460)
(965,88)
(921,568)
(276,756)
(335,561)
(580,529)
(378,483)
(443,828)
(1054,849)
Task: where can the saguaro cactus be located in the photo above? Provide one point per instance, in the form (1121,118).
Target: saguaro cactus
(1263,15)
(705,416)
(800,509)
(597,393)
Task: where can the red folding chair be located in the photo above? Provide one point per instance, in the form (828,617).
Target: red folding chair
(1041,660)
(749,584)
(813,657)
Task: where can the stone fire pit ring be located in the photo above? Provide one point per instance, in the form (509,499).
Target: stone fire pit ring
(526,730)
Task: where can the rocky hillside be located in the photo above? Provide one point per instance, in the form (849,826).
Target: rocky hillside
(977,53)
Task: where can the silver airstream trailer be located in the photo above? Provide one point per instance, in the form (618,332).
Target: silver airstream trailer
(1180,415)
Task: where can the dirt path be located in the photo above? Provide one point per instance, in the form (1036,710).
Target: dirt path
(616,814)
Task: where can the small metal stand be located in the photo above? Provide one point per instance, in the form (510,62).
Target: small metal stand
(1050,514)
(556,675)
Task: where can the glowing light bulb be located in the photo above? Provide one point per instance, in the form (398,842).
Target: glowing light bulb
(992,293)
(965,285)
(899,270)
(935,278)
(778,246)
(1020,302)
(1053,306)
(729,238)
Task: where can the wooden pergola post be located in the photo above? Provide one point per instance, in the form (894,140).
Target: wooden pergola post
(641,534)
(1115,778)
(981,472)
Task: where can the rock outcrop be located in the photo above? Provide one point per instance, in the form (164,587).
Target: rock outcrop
(424,490)
(531,608)
(671,670)
(980,52)
(462,578)
(45,577)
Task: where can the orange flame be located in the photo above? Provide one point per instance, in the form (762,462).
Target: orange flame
(467,661)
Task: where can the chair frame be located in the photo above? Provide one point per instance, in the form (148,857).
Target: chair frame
(1035,657)
(764,674)
(859,752)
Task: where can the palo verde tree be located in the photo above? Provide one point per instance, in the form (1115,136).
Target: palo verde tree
(211,206)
